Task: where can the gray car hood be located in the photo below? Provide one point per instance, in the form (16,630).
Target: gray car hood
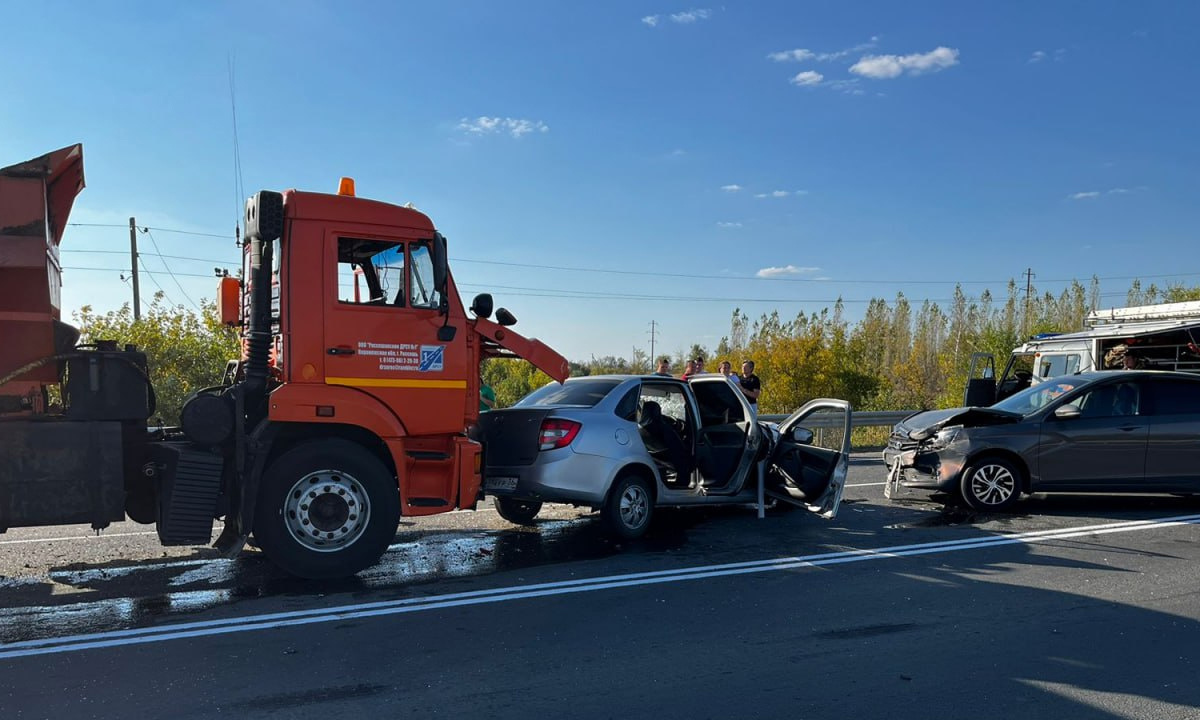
(925,424)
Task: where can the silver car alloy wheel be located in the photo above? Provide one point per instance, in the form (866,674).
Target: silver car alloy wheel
(635,507)
(992,484)
(327,510)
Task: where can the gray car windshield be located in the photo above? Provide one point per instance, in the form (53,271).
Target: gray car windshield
(580,393)
(1033,399)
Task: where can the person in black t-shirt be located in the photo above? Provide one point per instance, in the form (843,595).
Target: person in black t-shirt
(751,386)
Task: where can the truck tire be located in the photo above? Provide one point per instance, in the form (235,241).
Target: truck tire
(518,512)
(629,507)
(326,509)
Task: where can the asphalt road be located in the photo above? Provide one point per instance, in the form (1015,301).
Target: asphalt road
(1071,607)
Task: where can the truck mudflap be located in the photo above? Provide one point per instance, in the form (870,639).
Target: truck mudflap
(500,341)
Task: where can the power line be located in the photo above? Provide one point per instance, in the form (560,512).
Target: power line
(178,284)
(156,284)
(209,276)
(159,229)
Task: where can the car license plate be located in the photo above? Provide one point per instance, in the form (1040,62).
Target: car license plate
(500,483)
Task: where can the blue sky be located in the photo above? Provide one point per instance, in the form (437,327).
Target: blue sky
(837,148)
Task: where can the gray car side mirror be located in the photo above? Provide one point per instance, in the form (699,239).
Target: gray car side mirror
(1067,412)
(802,435)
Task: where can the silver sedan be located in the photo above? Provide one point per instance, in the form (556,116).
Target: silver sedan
(625,444)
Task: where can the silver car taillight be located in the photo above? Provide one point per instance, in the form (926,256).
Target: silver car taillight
(557,433)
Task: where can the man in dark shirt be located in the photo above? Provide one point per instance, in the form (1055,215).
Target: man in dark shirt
(751,386)
(664,367)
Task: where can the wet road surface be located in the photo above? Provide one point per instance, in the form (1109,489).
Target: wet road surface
(470,616)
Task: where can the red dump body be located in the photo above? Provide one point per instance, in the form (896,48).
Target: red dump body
(35,201)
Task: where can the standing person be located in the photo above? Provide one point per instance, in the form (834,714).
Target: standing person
(487,397)
(727,370)
(688,370)
(664,367)
(699,363)
(751,386)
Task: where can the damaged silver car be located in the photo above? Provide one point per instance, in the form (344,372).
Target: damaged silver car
(625,445)
(1115,431)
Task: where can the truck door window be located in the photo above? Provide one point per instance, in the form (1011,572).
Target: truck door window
(422,293)
(370,272)
(1055,365)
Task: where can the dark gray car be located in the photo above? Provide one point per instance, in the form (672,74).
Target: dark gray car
(1115,431)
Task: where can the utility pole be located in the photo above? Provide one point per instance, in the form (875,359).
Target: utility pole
(1029,275)
(133,260)
(653,331)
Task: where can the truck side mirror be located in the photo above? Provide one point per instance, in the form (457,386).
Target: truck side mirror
(505,318)
(441,267)
(481,306)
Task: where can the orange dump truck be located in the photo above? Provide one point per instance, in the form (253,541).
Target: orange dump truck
(349,408)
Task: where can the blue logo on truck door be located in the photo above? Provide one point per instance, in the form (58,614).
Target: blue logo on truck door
(432,358)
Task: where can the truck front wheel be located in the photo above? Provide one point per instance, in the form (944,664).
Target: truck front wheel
(326,509)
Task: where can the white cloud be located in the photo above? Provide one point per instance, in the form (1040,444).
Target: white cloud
(484,125)
(1088,195)
(1037,56)
(731,188)
(690,16)
(798,55)
(774,194)
(651,20)
(808,78)
(883,67)
(772,272)
(802,54)
(729,224)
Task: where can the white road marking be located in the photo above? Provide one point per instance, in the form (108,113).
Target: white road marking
(76,537)
(865,484)
(103,535)
(269,621)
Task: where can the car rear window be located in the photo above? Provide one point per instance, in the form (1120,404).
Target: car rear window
(580,393)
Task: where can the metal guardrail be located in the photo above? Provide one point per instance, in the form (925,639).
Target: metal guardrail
(872,418)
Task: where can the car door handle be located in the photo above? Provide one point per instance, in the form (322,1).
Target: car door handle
(340,351)
(1129,428)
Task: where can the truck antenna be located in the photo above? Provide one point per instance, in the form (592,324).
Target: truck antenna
(238,187)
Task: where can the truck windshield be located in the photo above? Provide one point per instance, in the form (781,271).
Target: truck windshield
(580,393)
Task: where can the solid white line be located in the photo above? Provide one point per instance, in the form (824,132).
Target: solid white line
(101,536)
(75,537)
(865,484)
(305,617)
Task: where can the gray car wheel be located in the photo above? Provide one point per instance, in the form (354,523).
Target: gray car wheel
(629,507)
(518,512)
(991,484)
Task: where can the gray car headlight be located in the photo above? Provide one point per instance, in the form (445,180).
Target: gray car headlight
(945,437)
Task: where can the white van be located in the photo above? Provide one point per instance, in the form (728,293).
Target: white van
(1158,337)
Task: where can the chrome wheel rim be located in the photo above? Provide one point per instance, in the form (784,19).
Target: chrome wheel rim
(993,484)
(635,507)
(326,510)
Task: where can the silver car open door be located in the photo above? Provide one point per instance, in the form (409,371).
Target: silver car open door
(808,466)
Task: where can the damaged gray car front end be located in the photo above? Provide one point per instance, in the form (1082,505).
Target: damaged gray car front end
(928,450)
